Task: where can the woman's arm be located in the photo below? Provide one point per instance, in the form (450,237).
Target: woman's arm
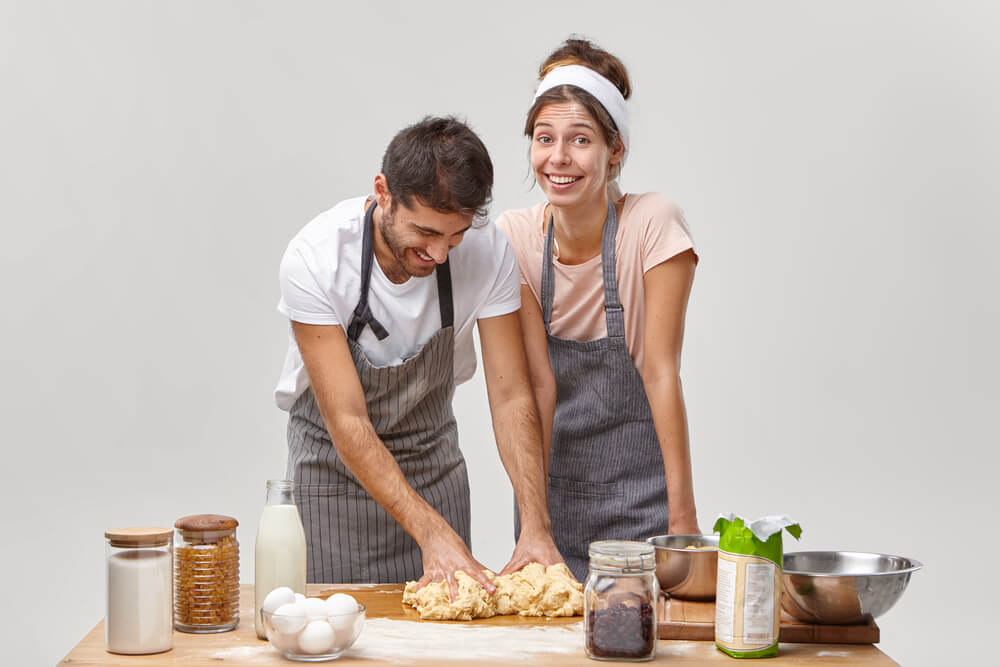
(667,287)
(543,382)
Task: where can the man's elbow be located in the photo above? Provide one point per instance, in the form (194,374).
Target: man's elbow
(347,428)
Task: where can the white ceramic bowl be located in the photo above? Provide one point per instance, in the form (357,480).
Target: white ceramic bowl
(313,640)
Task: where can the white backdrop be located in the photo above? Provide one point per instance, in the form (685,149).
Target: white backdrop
(837,163)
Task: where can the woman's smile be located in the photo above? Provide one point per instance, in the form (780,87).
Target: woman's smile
(563,182)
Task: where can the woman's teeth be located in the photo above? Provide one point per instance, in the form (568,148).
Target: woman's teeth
(563,180)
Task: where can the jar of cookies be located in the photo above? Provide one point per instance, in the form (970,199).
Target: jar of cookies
(206,573)
(619,601)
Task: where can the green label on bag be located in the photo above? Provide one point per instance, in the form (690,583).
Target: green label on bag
(737,538)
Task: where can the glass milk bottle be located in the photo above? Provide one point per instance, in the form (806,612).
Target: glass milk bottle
(280,551)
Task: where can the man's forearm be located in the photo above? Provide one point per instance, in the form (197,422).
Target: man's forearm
(365,455)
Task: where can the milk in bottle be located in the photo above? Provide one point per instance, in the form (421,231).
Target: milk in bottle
(280,551)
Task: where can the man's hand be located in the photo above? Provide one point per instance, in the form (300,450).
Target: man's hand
(443,554)
(537,548)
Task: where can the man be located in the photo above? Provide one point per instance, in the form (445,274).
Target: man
(382,293)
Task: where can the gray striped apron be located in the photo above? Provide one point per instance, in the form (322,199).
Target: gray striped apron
(606,476)
(350,537)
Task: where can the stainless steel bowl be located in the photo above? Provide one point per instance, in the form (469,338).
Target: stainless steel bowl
(686,573)
(843,587)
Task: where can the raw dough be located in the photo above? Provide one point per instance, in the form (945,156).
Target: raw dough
(535,590)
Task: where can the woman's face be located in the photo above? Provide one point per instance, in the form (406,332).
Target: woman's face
(569,155)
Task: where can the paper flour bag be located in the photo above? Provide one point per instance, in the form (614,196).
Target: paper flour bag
(748,592)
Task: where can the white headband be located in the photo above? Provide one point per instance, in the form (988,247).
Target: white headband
(606,93)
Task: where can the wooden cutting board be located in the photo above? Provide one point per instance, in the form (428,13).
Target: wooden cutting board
(684,619)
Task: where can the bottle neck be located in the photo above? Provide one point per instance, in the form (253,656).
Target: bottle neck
(280,492)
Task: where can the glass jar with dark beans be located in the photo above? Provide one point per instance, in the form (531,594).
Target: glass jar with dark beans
(620,601)
(622,631)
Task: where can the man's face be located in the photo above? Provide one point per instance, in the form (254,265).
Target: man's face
(415,240)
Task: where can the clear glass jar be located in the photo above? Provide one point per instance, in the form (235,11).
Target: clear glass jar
(206,574)
(619,601)
(139,612)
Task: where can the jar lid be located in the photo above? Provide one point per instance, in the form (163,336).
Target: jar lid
(143,536)
(217,525)
(622,556)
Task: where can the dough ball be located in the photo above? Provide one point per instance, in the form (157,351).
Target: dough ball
(434,603)
(532,591)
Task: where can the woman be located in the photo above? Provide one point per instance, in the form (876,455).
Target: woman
(605,284)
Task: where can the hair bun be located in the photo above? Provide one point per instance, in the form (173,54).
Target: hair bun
(579,51)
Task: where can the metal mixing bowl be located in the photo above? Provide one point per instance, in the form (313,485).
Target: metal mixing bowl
(843,587)
(688,574)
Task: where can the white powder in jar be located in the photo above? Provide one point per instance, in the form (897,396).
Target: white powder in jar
(140,602)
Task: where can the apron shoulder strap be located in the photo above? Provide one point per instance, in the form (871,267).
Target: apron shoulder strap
(362,312)
(613,311)
(548,276)
(445,303)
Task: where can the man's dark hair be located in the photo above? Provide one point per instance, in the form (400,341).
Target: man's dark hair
(442,163)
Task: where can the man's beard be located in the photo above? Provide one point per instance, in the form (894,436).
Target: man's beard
(403,270)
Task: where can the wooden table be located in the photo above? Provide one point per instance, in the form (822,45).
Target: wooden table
(241,646)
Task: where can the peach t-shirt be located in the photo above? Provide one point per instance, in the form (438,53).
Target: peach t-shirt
(651,230)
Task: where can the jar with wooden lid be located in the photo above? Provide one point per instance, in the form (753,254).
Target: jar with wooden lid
(206,574)
(139,611)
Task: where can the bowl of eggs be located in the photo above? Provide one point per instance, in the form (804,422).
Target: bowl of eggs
(311,629)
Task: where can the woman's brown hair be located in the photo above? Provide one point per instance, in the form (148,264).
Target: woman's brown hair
(575,51)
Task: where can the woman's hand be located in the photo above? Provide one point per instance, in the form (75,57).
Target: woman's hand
(539,548)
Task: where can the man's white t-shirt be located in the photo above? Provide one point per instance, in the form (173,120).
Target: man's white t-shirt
(321,284)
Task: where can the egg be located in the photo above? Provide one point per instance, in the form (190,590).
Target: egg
(316,638)
(315,608)
(299,597)
(341,603)
(279,596)
(283,641)
(289,619)
(343,627)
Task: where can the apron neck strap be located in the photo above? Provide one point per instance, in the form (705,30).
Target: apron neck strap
(362,312)
(612,306)
(445,305)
